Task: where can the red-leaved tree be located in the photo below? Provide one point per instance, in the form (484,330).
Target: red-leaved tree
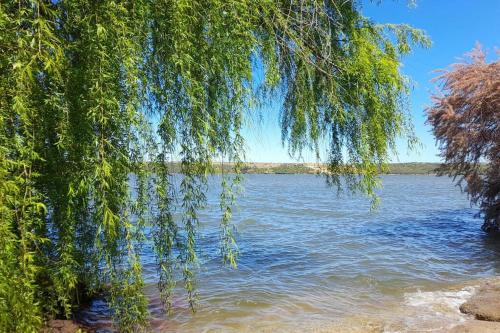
(465,118)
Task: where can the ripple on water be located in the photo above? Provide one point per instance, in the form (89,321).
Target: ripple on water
(311,261)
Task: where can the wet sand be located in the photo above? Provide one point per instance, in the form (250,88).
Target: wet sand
(484,307)
(472,307)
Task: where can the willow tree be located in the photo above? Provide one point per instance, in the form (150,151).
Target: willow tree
(93,92)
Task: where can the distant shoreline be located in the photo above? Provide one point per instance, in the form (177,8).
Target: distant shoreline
(317,168)
(314,168)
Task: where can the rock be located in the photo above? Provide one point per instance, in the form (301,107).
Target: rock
(485,304)
(62,326)
(477,326)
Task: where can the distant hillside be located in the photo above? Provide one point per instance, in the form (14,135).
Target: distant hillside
(316,168)
(413,168)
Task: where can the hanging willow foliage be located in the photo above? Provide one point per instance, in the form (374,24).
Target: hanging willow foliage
(95,93)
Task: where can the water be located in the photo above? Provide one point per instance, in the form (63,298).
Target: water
(313,261)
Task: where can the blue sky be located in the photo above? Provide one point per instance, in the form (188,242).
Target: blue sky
(454,27)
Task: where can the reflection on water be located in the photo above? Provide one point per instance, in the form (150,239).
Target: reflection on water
(311,261)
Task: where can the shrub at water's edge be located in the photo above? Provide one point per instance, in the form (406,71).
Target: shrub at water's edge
(465,118)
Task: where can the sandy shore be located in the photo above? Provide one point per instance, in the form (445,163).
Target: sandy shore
(484,308)
(473,307)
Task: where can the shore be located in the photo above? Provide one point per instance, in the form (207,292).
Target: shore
(316,168)
(484,308)
(415,168)
(472,307)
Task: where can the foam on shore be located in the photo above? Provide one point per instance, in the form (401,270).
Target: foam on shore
(436,310)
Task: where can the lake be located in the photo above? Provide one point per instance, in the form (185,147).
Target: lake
(311,261)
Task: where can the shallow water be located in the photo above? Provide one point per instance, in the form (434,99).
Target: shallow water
(312,261)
